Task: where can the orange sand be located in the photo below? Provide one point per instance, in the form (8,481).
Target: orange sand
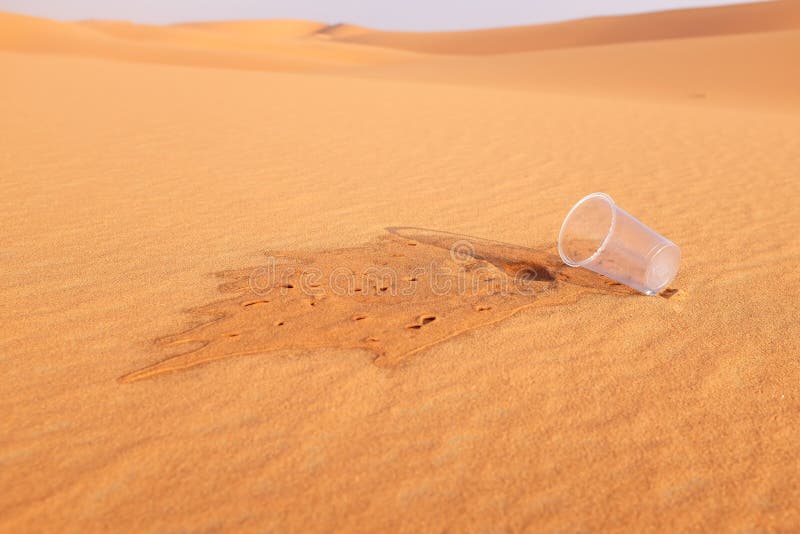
(142,392)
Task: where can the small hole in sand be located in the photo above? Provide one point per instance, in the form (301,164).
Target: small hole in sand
(423,320)
(280,323)
(313,303)
(384,288)
(254,303)
(287,286)
(526,275)
(231,335)
(483,308)
(359,317)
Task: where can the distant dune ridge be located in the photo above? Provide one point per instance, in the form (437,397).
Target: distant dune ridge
(20,32)
(287,276)
(672,54)
(261,45)
(677,24)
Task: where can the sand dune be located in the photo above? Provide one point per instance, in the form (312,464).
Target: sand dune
(640,56)
(186,45)
(259,29)
(156,378)
(278,28)
(287,38)
(28,34)
(724,20)
(707,71)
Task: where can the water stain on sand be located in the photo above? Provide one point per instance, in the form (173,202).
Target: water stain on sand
(392,297)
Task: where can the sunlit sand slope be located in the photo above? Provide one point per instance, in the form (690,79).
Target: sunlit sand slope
(749,70)
(724,20)
(708,70)
(190,45)
(300,40)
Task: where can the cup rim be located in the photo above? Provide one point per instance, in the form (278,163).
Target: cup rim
(612,205)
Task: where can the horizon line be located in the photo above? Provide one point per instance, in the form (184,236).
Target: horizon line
(377,28)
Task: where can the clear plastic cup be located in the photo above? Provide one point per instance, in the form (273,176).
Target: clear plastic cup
(601,236)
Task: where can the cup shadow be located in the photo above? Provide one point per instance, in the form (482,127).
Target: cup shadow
(541,263)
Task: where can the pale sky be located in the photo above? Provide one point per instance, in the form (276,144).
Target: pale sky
(383,14)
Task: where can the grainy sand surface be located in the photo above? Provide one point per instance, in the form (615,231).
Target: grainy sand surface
(155,378)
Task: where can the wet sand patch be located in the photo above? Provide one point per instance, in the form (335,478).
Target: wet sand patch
(392,297)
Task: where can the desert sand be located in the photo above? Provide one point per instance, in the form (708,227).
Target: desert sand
(155,377)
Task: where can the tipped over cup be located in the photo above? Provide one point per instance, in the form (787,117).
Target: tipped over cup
(600,236)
